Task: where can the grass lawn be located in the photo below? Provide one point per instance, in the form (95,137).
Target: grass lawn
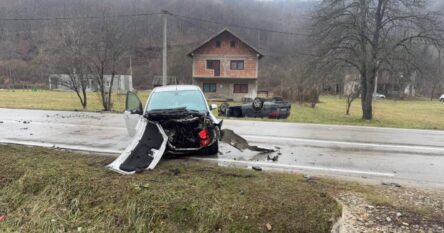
(59,100)
(44,190)
(419,114)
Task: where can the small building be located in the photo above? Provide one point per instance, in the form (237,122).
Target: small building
(226,66)
(63,82)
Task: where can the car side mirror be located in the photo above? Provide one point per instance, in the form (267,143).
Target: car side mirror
(213,106)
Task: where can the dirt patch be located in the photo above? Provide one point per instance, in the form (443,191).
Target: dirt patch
(382,213)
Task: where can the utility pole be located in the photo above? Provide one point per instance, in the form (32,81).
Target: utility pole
(131,67)
(164,52)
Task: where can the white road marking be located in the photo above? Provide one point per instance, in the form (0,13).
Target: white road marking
(296,167)
(248,163)
(363,144)
(89,125)
(60,146)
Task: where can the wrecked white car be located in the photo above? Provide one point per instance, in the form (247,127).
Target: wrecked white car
(175,120)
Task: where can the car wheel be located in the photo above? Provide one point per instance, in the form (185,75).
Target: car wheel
(211,150)
(223,109)
(258,104)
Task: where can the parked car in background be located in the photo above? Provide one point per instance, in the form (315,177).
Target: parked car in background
(441,98)
(378,96)
(275,108)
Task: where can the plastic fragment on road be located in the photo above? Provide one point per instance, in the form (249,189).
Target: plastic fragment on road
(144,152)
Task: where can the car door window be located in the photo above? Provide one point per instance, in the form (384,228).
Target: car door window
(133,103)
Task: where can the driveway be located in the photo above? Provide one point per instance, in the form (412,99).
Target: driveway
(376,154)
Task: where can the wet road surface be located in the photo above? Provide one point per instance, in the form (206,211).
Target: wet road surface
(377,154)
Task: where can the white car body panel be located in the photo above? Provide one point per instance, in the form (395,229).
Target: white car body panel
(131,122)
(157,154)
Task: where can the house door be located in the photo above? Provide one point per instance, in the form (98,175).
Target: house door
(216,67)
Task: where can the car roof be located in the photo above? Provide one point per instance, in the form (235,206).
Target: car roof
(176,88)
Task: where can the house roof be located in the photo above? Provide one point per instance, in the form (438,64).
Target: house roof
(190,54)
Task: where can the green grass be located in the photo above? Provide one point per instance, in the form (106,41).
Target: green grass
(44,190)
(59,100)
(418,114)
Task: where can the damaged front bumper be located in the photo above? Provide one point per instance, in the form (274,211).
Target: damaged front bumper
(144,152)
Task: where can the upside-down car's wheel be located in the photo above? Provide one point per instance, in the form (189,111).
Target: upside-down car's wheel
(223,109)
(211,150)
(258,104)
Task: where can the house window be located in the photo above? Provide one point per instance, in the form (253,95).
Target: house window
(209,87)
(237,65)
(211,64)
(240,88)
(233,44)
(218,43)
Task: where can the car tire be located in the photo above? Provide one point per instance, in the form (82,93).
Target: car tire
(257,104)
(223,109)
(211,150)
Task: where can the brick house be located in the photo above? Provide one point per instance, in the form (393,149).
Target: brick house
(225,66)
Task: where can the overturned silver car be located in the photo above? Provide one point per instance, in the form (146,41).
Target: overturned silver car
(175,120)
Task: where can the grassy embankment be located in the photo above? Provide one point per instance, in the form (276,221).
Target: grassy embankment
(45,190)
(418,114)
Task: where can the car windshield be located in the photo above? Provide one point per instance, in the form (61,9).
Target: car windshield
(190,99)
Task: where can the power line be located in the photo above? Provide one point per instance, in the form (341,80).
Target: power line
(180,17)
(238,26)
(82,17)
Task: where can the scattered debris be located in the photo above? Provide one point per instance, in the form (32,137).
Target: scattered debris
(392,184)
(273,158)
(2,218)
(398,214)
(257,168)
(1,122)
(308,178)
(26,122)
(240,143)
(268,225)
(388,219)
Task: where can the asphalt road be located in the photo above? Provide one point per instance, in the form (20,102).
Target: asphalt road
(376,154)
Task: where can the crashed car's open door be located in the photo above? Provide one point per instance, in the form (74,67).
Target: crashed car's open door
(133,112)
(148,144)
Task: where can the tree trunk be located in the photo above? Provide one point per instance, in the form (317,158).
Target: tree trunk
(367,83)
(110,91)
(85,101)
(433,92)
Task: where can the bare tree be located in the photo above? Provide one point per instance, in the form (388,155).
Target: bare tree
(368,34)
(110,36)
(73,59)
